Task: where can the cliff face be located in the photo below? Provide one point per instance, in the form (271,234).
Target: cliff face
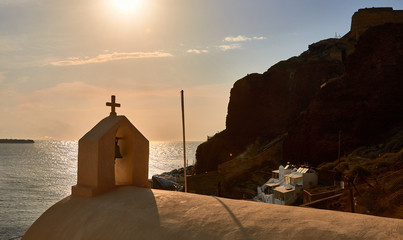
(338,93)
(264,105)
(331,87)
(364,104)
(371,17)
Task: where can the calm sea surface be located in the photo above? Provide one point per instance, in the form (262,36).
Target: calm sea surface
(33,177)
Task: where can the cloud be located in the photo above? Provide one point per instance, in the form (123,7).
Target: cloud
(107,57)
(239,38)
(242,38)
(197,51)
(229,47)
(236,41)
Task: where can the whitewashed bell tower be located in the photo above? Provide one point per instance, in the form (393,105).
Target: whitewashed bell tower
(113,153)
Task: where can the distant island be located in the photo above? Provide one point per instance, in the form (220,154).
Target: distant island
(16,141)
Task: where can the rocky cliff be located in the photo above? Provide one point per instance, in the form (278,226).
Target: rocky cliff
(265,105)
(371,17)
(337,85)
(342,97)
(363,105)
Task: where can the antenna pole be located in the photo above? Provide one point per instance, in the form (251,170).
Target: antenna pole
(184,141)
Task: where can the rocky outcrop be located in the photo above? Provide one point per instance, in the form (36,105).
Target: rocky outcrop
(338,91)
(172,180)
(265,105)
(355,94)
(363,104)
(165,183)
(371,17)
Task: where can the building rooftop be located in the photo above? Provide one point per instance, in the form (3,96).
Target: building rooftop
(294,175)
(302,170)
(284,189)
(272,184)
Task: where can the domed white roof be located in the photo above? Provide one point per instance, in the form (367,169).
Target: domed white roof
(141,213)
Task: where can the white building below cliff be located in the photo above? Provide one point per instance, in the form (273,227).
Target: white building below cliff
(286,185)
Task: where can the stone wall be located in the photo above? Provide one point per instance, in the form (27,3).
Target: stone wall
(370,17)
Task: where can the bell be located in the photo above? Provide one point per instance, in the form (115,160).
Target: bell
(117,149)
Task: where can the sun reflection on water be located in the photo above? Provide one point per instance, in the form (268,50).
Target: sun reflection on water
(33,177)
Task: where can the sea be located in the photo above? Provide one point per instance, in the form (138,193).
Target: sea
(35,176)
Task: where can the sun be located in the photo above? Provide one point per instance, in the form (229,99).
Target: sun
(126,5)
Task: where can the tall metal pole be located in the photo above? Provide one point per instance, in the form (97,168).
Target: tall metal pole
(184,141)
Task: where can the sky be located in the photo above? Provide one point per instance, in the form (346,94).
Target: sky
(60,61)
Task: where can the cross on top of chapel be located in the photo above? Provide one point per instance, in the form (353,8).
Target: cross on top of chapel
(113,105)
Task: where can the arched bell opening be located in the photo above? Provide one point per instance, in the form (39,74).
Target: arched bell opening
(124,161)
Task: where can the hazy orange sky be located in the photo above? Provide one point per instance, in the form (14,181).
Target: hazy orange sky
(60,61)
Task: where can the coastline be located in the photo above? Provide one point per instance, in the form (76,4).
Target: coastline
(172,180)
